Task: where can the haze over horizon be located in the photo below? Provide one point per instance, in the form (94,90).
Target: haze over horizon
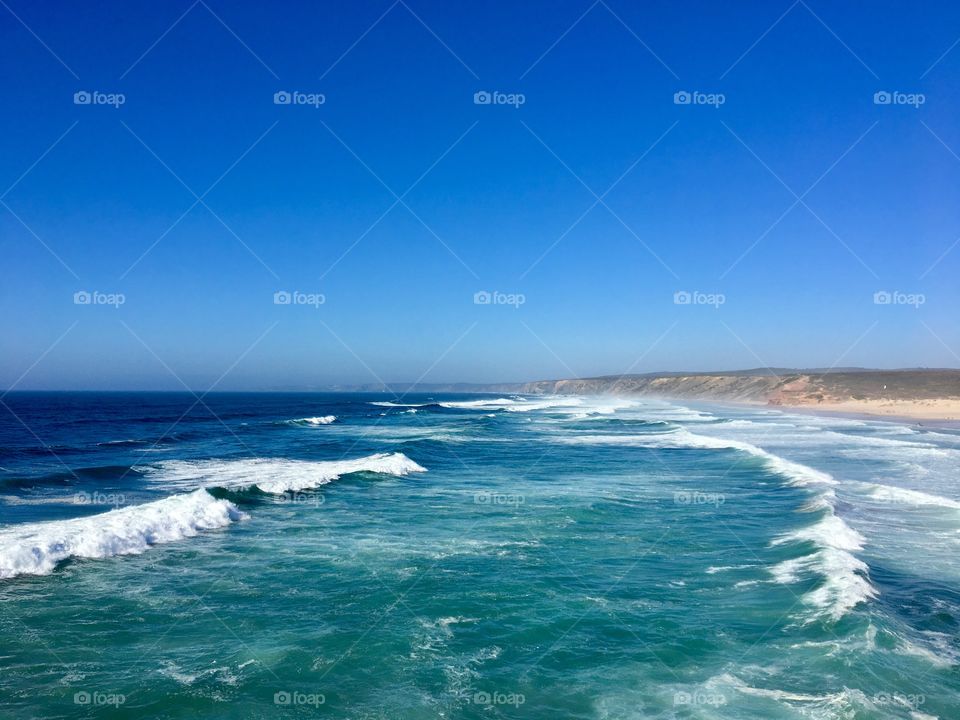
(487,193)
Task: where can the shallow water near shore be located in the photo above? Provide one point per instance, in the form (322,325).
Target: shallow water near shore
(467,556)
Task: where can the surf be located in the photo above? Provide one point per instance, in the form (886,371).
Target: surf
(37,548)
(273,475)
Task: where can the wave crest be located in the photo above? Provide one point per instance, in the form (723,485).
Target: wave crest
(275,475)
(845,577)
(682,438)
(37,548)
(321,420)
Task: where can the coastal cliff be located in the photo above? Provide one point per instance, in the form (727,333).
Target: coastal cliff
(909,393)
(914,393)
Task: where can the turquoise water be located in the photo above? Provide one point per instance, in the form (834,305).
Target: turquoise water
(359,556)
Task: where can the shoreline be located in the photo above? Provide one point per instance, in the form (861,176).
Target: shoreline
(903,413)
(899,417)
(933,413)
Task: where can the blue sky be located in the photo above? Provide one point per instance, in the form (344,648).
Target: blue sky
(793,202)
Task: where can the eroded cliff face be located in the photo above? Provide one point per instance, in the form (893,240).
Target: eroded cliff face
(797,388)
(725,387)
(905,389)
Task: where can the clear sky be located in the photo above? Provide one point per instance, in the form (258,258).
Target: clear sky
(782,197)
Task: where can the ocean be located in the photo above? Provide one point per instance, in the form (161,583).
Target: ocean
(468,556)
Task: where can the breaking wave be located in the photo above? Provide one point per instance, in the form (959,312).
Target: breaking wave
(274,475)
(37,548)
(845,577)
(322,420)
(902,496)
(796,473)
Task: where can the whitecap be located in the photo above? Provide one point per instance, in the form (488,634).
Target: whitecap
(274,475)
(516,404)
(321,420)
(387,403)
(684,439)
(847,699)
(903,496)
(845,578)
(37,548)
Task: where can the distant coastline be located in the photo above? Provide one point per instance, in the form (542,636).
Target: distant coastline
(922,395)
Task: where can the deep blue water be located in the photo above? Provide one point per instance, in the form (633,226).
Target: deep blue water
(368,556)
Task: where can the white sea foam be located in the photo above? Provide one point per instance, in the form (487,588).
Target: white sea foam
(831,531)
(578,406)
(903,496)
(514,404)
(36,548)
(682,438)
(518,404)
(600,407)
(676,412)
(387,403)
(845,578)
(839,704)
(274,475)
(714,569)
(322,420)
(934,647)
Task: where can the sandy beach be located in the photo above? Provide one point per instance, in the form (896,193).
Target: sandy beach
(942,411)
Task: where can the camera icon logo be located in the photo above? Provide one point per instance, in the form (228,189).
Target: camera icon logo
(282,97)
(82,97)
(682,297)
(882,297)
(81,698)
(82,297)
(482,297)
(682,98)
(282,698)
(882,97)
(482,97)
(282,297)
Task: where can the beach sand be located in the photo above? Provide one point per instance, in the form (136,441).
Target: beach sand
(943,410)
